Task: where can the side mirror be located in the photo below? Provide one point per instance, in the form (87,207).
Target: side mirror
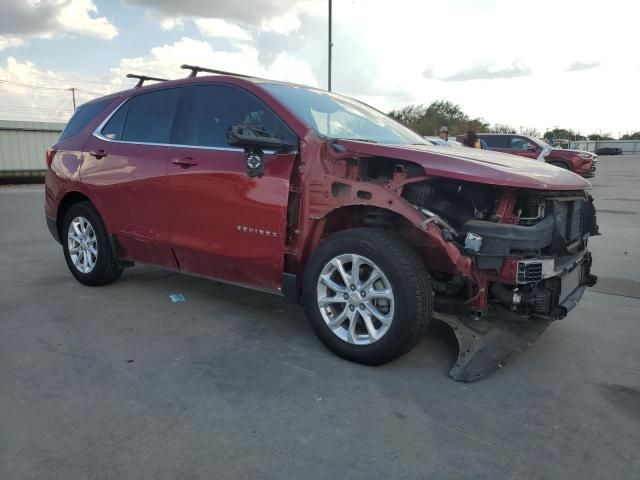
(531,148)
(255,136)
(254,139)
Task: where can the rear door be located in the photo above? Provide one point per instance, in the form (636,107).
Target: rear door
(125,167)
(223,223)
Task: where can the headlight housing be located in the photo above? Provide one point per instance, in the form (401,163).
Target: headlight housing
(585,156)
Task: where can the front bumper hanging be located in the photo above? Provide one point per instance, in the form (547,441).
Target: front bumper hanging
(485,344)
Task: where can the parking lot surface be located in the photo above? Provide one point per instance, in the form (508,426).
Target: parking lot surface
(118,382)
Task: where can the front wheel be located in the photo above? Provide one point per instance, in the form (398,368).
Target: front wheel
(367,295)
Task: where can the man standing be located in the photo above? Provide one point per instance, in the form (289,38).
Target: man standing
(444,133)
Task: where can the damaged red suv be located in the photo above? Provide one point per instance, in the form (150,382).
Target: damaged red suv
(325,200)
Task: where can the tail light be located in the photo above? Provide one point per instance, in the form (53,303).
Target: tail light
(49,156)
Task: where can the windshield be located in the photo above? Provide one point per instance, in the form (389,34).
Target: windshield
(339,117)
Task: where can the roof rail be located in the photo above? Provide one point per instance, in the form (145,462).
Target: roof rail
(196,69)
(144,78)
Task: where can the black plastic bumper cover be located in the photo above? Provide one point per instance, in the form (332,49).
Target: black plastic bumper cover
(487,343)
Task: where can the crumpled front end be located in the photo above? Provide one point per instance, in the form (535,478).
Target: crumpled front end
(530,265)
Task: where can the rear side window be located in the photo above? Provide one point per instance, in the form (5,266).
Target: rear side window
(148,118)
(83,115)
(216,108)
(496,141)
(113,129)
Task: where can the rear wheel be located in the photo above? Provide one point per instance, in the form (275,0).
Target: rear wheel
(367,295)
(86,246)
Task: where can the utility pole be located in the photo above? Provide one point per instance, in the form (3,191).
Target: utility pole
(73,96)
(330,45)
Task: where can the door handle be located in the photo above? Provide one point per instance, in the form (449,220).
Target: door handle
(98,153)
(185,162)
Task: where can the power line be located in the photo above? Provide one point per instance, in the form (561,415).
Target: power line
(44,87)
(18,84)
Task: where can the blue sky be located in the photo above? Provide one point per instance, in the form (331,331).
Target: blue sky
(571,63)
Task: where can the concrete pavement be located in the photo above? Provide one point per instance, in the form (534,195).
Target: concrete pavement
(117,382)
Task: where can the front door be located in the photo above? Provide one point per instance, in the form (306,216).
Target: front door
(224,224)
(523,147)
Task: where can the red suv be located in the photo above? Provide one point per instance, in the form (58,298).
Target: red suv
(578,161)
(325,200)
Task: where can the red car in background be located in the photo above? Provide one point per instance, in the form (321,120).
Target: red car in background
(578,161)
(327,201)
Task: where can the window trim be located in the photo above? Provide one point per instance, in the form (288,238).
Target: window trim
(180,117)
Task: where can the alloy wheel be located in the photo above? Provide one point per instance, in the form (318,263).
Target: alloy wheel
(82,244)
(355,299)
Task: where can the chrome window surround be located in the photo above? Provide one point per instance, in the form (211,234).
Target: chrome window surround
(98,134)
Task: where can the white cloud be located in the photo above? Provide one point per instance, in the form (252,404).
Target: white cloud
(165,62)
(579,66)
(516,61)
(283,24)
(250,12)
(10,42)
(171,23)
(78,16)
(216,27)
(50,101)
(21,20)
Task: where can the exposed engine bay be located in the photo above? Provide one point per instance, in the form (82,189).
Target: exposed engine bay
(543,237)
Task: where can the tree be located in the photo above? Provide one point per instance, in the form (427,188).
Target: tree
(531,132)
(598,136)
(631,136)
(502,128)
(562,133)
(428,120)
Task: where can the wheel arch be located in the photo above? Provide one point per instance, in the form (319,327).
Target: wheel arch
(67,201)
(566,163)
(414,229)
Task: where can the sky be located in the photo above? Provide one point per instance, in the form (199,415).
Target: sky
(567,63)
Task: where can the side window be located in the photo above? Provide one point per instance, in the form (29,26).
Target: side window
(519,143)
(216,108)
(113,129)
(83,116)
(495,141)
(149,117)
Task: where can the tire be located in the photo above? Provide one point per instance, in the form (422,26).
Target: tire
(407,310)
(560,165)
(101,267)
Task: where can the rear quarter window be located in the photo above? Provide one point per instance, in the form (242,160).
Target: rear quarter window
(83,115)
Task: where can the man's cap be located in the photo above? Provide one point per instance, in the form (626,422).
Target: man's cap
(444,129)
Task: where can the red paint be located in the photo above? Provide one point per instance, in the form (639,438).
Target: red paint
(196,210)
